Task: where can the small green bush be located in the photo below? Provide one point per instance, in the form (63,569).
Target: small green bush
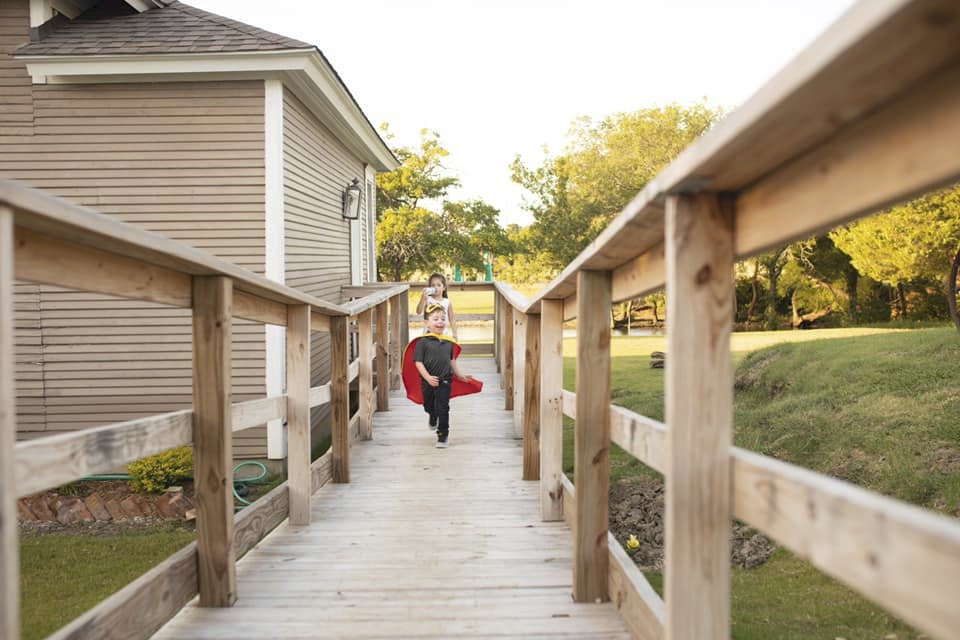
(153,474)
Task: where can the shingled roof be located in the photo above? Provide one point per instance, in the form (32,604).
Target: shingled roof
(114,29)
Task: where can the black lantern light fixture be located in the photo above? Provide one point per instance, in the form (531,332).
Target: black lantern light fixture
(351,200)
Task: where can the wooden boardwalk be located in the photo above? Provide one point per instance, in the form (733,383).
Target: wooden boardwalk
(423,543)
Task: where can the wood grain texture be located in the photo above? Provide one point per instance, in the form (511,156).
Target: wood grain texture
(298,412)
(519,371)
(396,342)
(507,370)
(319,396)
(365,382)
(904,558)
(254,413)
(551,410)
(9,551)
(699,411)
(340,400)
(383,365)
(212,434)
(55,460)
(591,464)
(531,399)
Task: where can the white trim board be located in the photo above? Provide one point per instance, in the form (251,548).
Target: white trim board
(275,259)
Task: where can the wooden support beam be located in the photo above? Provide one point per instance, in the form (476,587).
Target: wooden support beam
(340,399)
(212,439)
(699,411)
(9,549)
(365,382)
(507,372)
(531,399)
(496,329)
(55,460)
(404,299)
(383,366)
(396,344)
(519,369)
(551,409)
(40,258)
(591,466)
(298,412)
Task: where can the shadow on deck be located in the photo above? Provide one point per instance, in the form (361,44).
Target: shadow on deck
(422,543)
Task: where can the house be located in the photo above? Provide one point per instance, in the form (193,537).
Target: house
(229,138)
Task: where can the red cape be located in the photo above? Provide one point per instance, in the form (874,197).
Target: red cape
(411,377)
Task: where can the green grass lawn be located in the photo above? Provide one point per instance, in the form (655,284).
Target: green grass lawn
(473,301)
(877,407)
(63,576)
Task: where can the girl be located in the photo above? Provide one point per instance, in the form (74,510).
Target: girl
(436,293)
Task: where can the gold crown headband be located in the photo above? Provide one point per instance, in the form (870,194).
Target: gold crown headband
(435,307)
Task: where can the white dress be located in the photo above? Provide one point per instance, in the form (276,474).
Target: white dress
(445,303)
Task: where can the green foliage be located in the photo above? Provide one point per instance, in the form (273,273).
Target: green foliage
(914,240)
(576,194)
(153,474)
(406,230)
(466,230)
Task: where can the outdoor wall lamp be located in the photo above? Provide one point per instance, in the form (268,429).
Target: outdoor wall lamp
(351,201)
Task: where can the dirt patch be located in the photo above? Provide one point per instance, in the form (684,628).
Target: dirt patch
(636,508)
(947,459)
(751,375)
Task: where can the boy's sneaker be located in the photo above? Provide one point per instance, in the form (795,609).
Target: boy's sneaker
(442,443)
(432,423)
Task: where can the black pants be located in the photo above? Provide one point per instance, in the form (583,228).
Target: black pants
(436,402)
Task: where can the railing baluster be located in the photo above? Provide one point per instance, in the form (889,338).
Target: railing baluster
(699,409)
(298,412)
(212,439)
(404,299)
(383,370)
(339,399)
(519,368)
(507,372)
(592,437)
(365,384)
(396,345)
(551,409)
(531,399)
(9,550)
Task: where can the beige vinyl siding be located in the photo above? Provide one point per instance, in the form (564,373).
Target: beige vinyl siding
(31,409)
(317,168)
(16,105)
(181,159)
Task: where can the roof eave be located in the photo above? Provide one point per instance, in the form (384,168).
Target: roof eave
(304,71)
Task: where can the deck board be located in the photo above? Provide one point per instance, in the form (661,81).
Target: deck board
(423,543)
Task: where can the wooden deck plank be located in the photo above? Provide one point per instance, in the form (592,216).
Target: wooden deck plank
(423,543)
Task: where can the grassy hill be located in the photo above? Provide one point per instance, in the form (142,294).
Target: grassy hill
(880,408)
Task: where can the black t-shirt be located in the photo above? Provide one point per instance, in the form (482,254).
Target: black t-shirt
(435,354)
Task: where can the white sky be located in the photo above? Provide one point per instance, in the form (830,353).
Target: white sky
(500,77)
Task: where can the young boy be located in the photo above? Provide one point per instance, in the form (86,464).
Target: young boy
(435,360)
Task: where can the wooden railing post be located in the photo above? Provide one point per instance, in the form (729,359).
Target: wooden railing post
(551,409)
(383,369)
(9,549)
(496,328)
(519,368)
(404,299)
(591,466)
(339,400)
(298,412)
(699,409)
(365,384)
(396,344)
(212,439)
(506,373)
(531,399)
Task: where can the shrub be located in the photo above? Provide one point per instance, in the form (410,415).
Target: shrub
(153,474)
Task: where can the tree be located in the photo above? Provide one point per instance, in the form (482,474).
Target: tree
(405,227)
(913,241)
(577,193)
(467,230)
(404,242)
(420,176)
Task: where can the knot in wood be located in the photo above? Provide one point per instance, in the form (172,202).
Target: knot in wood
(703,275)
